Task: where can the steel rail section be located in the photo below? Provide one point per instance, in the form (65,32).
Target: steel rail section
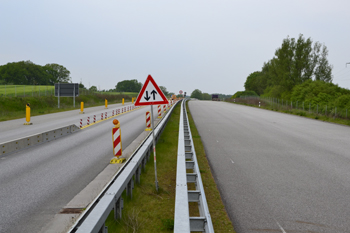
(187,159)
(94,217)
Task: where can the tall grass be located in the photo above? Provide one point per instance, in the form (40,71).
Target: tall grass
(14,107)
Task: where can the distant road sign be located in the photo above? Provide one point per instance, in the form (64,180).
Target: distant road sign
(180,92)
(150,94)
(67,89)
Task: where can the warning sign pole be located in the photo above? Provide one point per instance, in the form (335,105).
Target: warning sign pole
(154,149)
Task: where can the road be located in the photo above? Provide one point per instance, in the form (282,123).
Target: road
(36,183)
(277,172)
(13,129)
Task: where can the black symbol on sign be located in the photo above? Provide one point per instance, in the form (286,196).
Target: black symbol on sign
(152,93)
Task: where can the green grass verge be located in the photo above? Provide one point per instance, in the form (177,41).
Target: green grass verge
(149,211)
(14,107)
(26,90)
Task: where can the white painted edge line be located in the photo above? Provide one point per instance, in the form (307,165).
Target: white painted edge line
(279,225)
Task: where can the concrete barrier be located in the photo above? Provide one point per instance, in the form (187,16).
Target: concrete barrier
(32,140)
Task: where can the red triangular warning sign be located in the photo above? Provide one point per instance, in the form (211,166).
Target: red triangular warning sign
(150,94)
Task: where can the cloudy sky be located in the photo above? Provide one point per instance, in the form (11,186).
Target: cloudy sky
(185,45)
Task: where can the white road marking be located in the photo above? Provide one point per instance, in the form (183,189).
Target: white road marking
(217,140)
(231,160)
(280,227)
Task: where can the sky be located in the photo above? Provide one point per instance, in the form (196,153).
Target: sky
(185,45)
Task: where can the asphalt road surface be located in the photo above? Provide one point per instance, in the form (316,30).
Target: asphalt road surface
(37,182)
(277,172)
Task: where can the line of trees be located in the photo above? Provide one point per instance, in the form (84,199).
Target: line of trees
(296,61)
(28,73)
(198,94)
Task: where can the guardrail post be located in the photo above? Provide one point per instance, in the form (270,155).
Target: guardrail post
(129,188)
(118,207)
(138,174)
(104,229)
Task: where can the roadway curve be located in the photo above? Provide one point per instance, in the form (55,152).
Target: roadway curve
(37,182)
(277,172)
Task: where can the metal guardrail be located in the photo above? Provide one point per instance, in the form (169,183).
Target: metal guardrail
(93,220)
(187,159)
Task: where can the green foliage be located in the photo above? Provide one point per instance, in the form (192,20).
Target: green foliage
(164,90)
(93,88)
(295,62)
(28,73)
(168,224)
(128,86)
(58,73)
(239,94)
(197,94)
(322,93)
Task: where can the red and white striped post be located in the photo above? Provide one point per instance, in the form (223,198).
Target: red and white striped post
(112,112)
(148,121)
(117,139)
(117,142)
(94,118)
(105,115)
(159,111)
(164,108)
(81,123)
(101,116)
(88,121)
(124,109)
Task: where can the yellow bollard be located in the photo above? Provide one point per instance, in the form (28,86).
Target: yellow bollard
(106,104)
(117,143)
(28,115)
(81,108)
(123,101)
(132,100)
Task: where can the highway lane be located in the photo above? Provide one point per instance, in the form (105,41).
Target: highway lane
(38,182)
(14,129)
(277,172)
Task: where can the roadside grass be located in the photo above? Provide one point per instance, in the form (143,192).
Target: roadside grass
(26,90)
(148,211)
(14,107)
(298,112)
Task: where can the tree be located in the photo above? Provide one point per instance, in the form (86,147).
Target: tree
(128,86)
(28,73)
(294,63)
(58,72)
(164,90)
(93,89)
(197,94)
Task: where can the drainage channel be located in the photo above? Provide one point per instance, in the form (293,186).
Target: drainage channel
(187,159)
